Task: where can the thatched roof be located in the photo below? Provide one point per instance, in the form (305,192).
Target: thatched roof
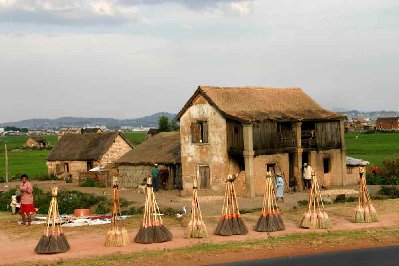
(248,104)
(37,139)
(162,148)
(82,147)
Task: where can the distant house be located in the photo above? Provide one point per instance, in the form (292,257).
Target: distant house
(75,153)
(35,141)
(152,132)
(77,130)
(359,124)
(387,123)
(250,130)
(163,149)
(352,169)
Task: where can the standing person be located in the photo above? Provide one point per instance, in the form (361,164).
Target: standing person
(280,187)
(307,175)
(155,178)
(27,207)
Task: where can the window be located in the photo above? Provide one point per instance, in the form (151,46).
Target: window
(66,167)
(89,165)
(326,165)
(199,132)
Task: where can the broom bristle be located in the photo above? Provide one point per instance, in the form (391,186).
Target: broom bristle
(125,237)
(327,221)
(359,215)
(53,245)
(167,233)
(305,223)
(144,235)
(235,226)
(219,225)
(373,213)
(279,220)
(42,246)
(63,243)
(367,216)
(242,226)
(110,238)
(226,228)
(313,220)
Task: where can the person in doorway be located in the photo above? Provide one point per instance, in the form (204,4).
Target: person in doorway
(26,209)
(307,175)
(155,178)
(280,187)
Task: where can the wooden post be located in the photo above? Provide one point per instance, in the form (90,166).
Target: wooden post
(6,162)
(343,150)
(248,154)
(296,127)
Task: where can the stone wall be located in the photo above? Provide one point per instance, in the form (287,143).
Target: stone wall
(212,154)
(75,167)
(117,149)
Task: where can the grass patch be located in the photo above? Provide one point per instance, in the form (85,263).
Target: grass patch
(309,240)
(135,138)
(372,147)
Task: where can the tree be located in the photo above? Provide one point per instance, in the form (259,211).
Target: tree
(164,125)
(174,126)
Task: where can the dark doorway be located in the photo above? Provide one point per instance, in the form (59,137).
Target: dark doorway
(291,177)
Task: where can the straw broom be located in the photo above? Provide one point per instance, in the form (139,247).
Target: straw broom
(225,225)
(365,211)
(316,216)
(196,227)
(117,235)
(152,229)
(270,219)
(241,227)
(54,240)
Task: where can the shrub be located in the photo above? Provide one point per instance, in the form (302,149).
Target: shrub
(390,191)
(89,182)
(390,167)
(302,202)
(104,207)
(133,210)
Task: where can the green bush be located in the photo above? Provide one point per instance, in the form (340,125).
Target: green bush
(133,210)
(104,207)
(89,182)
(302,202)
(391,192)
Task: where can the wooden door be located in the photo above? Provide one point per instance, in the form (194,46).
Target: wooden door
(204,177)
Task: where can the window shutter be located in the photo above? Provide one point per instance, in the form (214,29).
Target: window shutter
(195,132)
(205,132)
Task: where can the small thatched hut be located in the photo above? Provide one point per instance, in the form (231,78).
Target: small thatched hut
(76,153)
(163,149)
(36,141)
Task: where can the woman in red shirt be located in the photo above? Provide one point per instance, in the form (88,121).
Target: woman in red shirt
(27,207)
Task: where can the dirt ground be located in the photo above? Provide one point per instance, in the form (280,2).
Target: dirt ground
(17,242)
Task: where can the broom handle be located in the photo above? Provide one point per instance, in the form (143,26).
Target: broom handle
(225,199)
(235,198)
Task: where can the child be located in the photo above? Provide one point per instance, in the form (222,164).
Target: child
(15,204)
(280,187)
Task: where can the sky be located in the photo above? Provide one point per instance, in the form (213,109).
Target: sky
(130,58)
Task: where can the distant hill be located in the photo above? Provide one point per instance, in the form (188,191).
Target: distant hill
(372,116)
(147,121)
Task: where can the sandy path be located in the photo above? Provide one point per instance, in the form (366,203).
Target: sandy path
(92,244)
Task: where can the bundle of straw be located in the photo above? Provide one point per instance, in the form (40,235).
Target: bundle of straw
(316,216)
(152,229)
(365,211)
(117,235)
(196,227)
(270,219)
(53,240)
(231,222)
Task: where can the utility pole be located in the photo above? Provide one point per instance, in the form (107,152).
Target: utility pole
(6,162)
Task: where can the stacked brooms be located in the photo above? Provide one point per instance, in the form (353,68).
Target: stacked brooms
(53,239)
(270,219)
(196,227)
(230,222)
(152,229)
(316,216)
(365,211)
(117,235)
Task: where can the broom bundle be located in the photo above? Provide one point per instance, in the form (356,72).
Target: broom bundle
(117,235)
(270,219)
(196,227)
(365,211)
(316,216)
(152,229)
(230,222)
(53,239)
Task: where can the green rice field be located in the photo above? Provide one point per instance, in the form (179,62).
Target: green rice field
(33,162)
(371,147)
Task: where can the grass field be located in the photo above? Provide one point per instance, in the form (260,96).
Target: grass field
(372,147)
(33,162)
